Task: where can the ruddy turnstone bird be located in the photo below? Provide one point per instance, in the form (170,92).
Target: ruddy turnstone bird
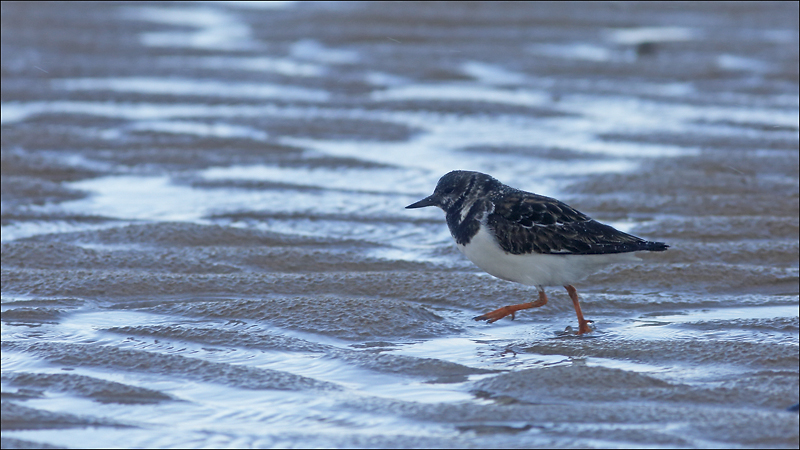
(528,238)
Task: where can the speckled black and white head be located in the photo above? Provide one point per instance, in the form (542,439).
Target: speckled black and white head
(464,197)
(457,189)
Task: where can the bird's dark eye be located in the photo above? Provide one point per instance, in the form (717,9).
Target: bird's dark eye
(447,191)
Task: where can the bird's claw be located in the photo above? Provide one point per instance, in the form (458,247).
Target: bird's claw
(484,317)
(494,316)
(584,327)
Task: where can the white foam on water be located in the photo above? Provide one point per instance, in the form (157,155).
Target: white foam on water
(740,63)
(132,197)
(213,415)
(207,409)
(620,113)
(492,74)
(579,51)
(624,109)
(184,87)
(279,65)
(722,314)
(387,180)
(24,229)
(640,35)
(216,129)
(213,28)
(256,5)
(482,352)
(463,92)
(384,79)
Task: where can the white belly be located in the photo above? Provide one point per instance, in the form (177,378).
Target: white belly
(535,269)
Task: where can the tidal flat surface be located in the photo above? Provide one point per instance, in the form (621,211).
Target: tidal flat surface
(204,242)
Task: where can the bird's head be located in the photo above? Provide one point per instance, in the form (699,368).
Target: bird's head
(455,186)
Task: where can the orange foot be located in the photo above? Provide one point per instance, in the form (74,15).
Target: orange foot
(584,327)
(498,314)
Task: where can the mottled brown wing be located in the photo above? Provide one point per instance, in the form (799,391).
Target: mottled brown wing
(525,223)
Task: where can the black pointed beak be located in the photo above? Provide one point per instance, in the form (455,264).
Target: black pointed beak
(427,201)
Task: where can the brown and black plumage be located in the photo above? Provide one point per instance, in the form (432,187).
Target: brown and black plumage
(524,222)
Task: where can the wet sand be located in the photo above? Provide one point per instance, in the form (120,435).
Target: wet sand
(204,242)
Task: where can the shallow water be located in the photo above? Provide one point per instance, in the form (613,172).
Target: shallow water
(204,240)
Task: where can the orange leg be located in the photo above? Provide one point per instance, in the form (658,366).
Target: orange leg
(498,314)
(583,324)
